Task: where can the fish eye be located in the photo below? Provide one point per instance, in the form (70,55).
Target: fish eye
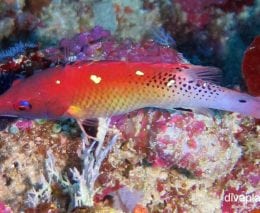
(23,106)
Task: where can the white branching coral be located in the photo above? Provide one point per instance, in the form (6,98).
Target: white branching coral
(83,189)
(39,194)
(81,186)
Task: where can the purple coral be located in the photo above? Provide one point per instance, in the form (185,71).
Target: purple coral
(24,124)
(99,44)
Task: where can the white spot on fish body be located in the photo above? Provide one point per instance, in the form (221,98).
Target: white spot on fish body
(95,79)
(58,82)
(170,83)
(140,73)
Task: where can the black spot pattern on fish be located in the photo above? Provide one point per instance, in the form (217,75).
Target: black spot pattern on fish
(198,89)
(178,69)
(173,85)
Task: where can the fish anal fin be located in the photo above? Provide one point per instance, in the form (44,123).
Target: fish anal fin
(182,109)
(199,110)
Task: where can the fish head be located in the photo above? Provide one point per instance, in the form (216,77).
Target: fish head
(42,95)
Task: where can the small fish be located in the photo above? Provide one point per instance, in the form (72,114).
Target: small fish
(88,90)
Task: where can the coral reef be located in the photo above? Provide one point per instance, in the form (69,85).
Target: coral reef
(6,27)
(160,161)
(194,146)
(133,20)
(14,19)
(50,21)
(190,158)
(22,156)
(99,44)
(4,208)
(107,19)
(194,143)
(81,186)
(55,25)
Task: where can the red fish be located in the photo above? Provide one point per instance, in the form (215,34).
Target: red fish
(103,89)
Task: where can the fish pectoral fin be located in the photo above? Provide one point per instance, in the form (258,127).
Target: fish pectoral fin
(75,111)
(90,126)
(95,128)
(205,73)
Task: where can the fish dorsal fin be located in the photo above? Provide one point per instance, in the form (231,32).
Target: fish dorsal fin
(205,73)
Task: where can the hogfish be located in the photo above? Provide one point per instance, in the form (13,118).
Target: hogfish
(89,90)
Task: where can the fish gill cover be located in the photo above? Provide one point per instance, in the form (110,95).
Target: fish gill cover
(163,161)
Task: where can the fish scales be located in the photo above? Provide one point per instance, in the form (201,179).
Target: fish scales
(105,93)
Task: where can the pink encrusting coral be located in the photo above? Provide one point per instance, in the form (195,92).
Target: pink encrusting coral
(4,208)
(188,141)
(240,187)
(24,124)
(206,150)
